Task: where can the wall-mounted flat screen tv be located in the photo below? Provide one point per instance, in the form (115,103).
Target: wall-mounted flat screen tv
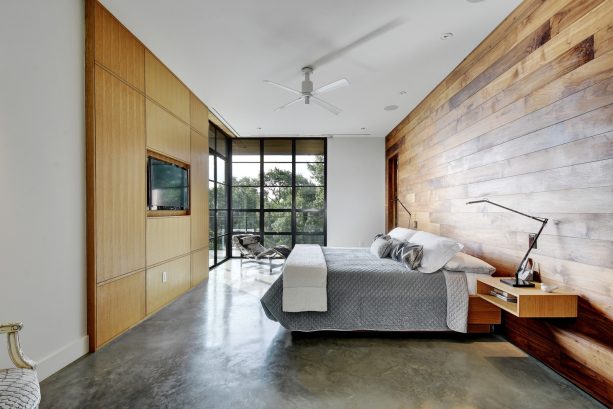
(168,185)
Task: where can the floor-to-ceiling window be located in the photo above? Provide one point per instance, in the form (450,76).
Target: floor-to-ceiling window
(279,190)
(219,218)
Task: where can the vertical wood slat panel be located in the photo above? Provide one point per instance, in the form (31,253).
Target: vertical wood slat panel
(167,237)
(199,115)
(166,134)
(118,50)
(162,86)
(121,305)
(160,292)
(120,177)
(530,127)
(200,266)
(199,191)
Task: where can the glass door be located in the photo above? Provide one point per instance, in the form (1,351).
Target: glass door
(219,219)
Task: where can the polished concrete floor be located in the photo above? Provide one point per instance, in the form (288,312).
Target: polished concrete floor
(214,348)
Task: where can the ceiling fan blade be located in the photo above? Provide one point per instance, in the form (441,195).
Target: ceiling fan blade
(283,87)
(356,43)
(326,105)
(331,86)
(289,103)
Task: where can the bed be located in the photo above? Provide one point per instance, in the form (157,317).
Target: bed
(365,292)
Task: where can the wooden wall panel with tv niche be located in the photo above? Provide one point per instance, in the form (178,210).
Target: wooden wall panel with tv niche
(526,120)
(138,260)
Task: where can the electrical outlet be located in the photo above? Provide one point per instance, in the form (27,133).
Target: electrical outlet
(415,224)
(164,276)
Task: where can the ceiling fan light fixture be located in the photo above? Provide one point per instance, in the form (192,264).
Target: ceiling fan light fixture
(308,95)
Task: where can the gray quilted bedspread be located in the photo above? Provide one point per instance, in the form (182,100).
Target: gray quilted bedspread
(369,293)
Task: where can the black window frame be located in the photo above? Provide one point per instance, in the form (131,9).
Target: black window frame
(262,210)
(228,187)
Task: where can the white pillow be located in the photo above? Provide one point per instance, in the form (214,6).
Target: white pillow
(401,233)
(437,250)
(469,264)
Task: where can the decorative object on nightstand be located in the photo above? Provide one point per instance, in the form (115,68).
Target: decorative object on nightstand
(406,210)
(18,386)
(518,282)
(548,288)
(527,273)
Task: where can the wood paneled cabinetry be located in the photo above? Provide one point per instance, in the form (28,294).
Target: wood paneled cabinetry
(120,180)
(163,87)
(199,191)
(135,105)
(117,49)
(166,134)
(167,281)
(200,266)
(167,237)
(121,303)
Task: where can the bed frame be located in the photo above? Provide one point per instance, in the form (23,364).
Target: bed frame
(482,315)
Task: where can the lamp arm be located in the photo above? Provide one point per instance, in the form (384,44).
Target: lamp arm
(403,206)
(521,264)
(540,219)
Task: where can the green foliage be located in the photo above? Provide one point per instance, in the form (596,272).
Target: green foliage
(278,195)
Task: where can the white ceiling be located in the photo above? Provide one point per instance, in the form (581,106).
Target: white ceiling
(223,49)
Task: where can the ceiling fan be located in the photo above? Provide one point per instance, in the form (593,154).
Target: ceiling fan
(309,95)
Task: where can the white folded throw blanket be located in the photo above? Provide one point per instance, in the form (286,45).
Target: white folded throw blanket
(305,277)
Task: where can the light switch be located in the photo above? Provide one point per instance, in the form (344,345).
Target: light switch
(164,277)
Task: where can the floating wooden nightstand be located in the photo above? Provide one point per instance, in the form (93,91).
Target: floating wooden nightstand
(531,302)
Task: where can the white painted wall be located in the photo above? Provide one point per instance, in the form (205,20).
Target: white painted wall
(42,179)
(356,190)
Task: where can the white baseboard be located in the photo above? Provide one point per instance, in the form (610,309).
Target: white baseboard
(62,357)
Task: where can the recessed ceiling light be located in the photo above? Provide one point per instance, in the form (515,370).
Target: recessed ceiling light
(391,107)
(259,129)
(403,92)
(363,128)
(475,1)
(446,36)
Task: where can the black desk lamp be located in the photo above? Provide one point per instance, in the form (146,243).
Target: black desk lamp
(517,282)
(405,208)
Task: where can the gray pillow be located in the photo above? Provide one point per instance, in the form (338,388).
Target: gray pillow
(380,247)
(408,254)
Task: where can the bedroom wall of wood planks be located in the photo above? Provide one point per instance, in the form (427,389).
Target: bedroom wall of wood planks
(527,120)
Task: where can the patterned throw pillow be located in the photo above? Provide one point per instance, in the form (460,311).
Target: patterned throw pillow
(408,253)
(381,246)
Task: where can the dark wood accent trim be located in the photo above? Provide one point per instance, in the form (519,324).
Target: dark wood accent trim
(166,213)
(167,158)
(90,165)
(392,192)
